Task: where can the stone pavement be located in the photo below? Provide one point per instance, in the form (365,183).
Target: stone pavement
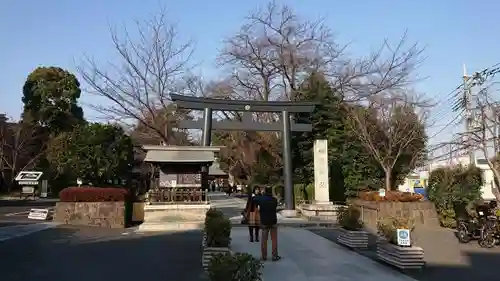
(309,257)
(233,206)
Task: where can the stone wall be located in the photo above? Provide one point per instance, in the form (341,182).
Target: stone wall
(423,212)
(138,212)
(100,214)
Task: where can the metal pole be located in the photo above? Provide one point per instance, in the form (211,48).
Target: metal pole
(287,162)
(206,140)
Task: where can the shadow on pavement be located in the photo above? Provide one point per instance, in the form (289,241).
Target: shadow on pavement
(63,254)
(28,203)
(14,223)
(445,259)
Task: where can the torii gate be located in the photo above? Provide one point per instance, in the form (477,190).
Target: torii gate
(285,126)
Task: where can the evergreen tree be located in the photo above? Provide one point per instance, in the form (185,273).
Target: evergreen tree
(350,167)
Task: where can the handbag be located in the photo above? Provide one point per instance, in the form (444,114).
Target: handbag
(244,220)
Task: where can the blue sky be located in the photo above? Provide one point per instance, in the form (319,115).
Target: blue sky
(60,33)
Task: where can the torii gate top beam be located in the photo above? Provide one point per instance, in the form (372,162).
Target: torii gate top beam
(198,103)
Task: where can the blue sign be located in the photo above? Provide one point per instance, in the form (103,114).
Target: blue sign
(403,237)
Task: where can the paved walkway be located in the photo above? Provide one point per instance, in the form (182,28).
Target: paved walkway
(309,257)
(233,206)
(445,258)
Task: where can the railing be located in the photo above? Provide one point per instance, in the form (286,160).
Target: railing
(178,195)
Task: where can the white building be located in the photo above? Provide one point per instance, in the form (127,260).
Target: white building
(420,178)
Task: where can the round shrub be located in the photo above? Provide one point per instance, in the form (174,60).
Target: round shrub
(387,227)
(234,267)
(350,218)
(218,231)
(213,213)
(94,194)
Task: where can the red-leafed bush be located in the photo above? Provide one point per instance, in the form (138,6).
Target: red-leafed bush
(94,194)
(392,196)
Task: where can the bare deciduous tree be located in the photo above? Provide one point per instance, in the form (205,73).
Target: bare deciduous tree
(145,135)
(388,128)
(139,84)
(275,50)
(483,135)
(21,146)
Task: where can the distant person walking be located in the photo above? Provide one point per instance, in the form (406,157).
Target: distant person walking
(252,215)
(268,206)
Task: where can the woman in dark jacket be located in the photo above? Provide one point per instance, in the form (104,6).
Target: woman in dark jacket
(252,215)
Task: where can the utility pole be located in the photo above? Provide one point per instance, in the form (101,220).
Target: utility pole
(494,110)
(467,95)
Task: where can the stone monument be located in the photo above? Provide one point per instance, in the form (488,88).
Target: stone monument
(321,179)
(321,208)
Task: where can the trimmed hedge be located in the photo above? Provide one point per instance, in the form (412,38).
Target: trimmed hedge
(94,194)
(451,189)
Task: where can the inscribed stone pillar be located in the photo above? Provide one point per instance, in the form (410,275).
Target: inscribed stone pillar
(321,179)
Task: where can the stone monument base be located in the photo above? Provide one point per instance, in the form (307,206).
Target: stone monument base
(319,210)
(174,217)
(288,213)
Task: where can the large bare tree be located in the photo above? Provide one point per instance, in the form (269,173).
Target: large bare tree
(151,65)
(275,50)
(390,128)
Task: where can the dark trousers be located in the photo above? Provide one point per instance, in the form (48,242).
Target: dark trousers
(253,231)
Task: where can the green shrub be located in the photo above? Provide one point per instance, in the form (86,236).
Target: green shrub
(301,192)
(387,227)
(218,231)
(213,213)
(349,218)
(449,187)
(234,267)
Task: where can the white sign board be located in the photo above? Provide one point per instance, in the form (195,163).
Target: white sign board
(321,178)
(38,214)
(28,190)
(29,176)
(79,182)
(403,237)
(381,192)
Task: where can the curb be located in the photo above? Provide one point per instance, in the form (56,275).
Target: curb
(320,225)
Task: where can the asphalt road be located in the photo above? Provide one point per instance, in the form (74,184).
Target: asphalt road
(62,254)
(14,212)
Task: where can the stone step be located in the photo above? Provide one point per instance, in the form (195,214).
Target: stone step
(170,226)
